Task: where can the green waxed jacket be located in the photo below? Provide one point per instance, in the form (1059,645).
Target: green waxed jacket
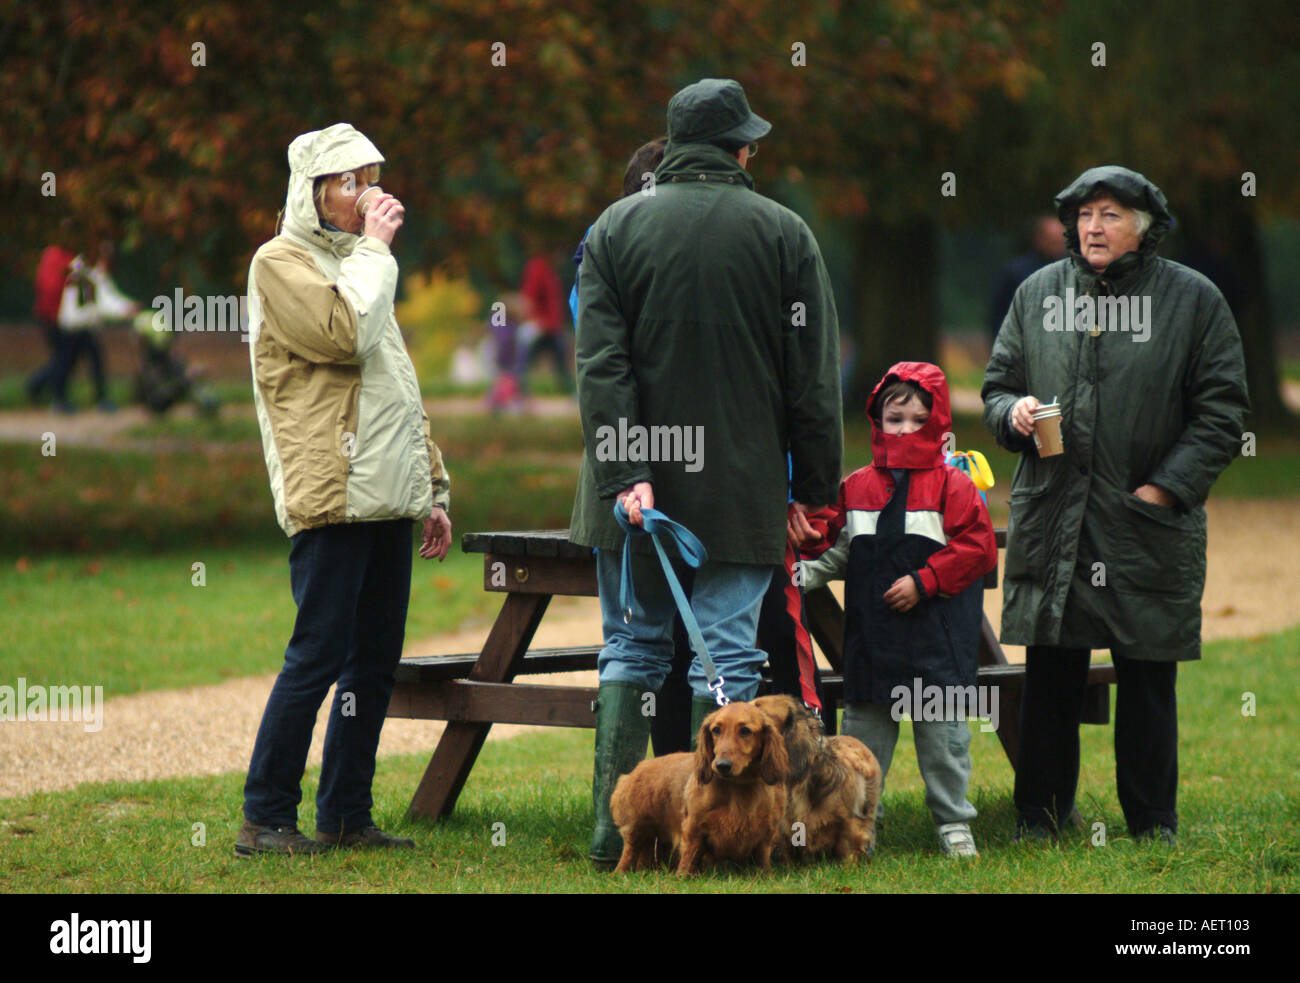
(707,307)
(1089,564)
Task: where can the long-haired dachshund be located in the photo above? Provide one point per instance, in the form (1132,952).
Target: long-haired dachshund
(833,786)
(735,796)
(648,805)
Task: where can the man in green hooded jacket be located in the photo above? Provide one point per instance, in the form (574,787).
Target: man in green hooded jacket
(707,346)
(1106,541)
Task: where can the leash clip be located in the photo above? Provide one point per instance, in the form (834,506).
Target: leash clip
(716,689)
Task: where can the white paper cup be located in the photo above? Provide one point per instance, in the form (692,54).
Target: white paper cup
(364,200)
(1047,430)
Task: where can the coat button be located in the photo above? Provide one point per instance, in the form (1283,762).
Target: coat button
(1083,468)
(703,178)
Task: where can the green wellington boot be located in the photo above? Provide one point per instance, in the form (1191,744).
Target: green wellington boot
(622,732)
(701,707)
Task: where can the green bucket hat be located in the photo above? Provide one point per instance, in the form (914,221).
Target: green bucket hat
(714,111)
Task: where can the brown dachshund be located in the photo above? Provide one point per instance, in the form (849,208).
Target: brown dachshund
(648,805)
(735,797)
(833,787)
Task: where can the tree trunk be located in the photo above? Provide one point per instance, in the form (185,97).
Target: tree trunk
(897,301)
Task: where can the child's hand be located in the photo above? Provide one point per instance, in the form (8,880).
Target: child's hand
(902,594)
(798,529)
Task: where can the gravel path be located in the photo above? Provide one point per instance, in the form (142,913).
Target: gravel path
(1253,580)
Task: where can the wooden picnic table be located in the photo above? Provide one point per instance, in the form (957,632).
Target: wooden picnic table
(475,690)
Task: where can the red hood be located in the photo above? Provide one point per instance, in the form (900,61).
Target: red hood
(924,448)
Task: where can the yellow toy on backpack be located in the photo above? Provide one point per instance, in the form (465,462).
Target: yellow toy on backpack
(976,466)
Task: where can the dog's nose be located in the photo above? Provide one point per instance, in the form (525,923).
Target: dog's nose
(723,765)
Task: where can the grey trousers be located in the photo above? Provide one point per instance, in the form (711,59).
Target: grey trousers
(942,751)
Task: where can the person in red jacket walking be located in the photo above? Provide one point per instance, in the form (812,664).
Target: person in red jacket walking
(51,277)
(544,300)
(912,538)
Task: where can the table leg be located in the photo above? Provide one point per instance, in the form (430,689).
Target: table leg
(1009,690)
(826,624)
(502,655)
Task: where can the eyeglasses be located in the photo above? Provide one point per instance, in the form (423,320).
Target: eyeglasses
(753,150)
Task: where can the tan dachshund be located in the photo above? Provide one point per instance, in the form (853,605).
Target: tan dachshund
(648,805)
(735,797)
(833,787)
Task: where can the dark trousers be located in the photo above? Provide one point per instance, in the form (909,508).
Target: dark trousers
(351,584)
(1146,738)
(557,345)
(75,343)
(57,339)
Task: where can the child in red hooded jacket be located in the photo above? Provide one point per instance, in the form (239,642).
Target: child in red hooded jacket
(913,540)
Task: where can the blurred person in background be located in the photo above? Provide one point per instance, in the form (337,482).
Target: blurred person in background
(503,333)
(1046,245)
(90,299)
(51,277)
(543,298)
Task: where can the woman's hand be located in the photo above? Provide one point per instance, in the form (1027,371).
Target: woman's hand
(1156,496)
(384,218)
(437,535)
(1022,415)
(902,594)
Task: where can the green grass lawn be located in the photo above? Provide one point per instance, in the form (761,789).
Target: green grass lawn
(1238,809)
(133,623)
(205,483)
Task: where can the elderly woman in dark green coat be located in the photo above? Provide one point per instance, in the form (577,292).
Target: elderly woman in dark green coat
(1106,541)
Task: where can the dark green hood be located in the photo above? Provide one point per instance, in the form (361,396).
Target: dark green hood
(1130,189)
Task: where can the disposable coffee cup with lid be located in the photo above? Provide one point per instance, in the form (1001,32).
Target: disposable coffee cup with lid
(1047,430)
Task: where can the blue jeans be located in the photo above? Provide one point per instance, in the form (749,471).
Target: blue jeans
(726,599)
(351,583)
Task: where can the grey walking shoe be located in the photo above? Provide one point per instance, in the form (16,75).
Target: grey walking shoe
(957,841)
(286,840)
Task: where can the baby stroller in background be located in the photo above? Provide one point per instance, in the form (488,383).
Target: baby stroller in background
(164,380)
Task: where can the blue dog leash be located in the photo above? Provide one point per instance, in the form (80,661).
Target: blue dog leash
(693,552)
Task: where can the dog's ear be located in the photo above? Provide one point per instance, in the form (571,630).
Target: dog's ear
(800,744)
(704,753)
(775,764)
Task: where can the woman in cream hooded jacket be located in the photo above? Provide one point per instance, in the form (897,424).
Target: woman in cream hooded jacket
(344,431)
